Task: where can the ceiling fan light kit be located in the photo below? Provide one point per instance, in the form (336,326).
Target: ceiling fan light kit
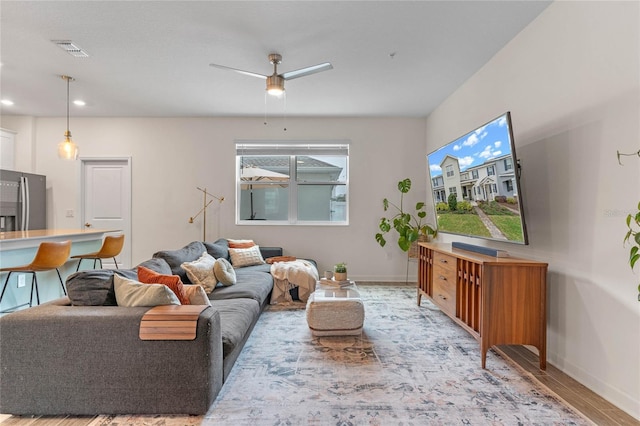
(275,81)
(275,85)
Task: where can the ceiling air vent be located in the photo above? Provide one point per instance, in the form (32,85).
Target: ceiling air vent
(71,49)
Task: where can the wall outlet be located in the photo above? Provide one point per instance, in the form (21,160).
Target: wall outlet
(21,280)
(70,213)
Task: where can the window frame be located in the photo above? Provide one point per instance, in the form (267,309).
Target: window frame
(294,149)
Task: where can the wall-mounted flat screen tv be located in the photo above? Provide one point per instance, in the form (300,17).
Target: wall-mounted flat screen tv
(475,184)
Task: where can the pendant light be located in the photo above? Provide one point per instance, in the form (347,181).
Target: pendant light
(67,149)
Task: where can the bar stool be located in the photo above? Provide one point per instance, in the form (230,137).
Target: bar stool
(50,255)
(111,247)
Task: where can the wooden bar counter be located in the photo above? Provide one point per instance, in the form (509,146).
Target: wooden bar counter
(19,247)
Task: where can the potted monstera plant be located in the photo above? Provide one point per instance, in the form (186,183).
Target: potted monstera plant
(409,225)
(633,237)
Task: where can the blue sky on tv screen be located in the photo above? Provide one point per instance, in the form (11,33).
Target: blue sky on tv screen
(476,147)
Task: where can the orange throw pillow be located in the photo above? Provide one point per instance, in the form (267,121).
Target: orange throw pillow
(147,276)
(241,243)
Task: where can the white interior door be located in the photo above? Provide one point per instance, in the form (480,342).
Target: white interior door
(106,201)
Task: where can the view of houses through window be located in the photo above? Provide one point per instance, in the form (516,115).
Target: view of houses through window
(292,183)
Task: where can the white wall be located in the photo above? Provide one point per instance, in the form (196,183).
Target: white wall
(571,81)
(172,156)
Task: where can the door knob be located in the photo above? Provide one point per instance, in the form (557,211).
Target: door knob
(87,225)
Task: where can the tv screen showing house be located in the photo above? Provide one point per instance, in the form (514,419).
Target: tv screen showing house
(476,187)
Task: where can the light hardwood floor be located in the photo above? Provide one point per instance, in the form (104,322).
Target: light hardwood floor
(596,408)
(600,411)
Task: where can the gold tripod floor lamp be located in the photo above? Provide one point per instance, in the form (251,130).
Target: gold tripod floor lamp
(205,204)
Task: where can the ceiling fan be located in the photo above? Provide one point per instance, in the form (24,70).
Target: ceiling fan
(275,81)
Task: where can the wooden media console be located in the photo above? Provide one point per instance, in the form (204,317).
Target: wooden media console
(498,300)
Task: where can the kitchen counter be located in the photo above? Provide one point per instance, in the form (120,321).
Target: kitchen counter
(18,248)
(24,239)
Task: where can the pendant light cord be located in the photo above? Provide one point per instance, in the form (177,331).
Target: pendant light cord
(68,78)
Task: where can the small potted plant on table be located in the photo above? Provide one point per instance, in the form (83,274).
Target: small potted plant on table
(340,272)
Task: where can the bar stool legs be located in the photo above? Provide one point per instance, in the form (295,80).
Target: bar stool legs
(111,247)
(97,259)
(50,256)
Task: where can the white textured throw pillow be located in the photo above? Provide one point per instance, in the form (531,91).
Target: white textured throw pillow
(246,256)
(224,272)
(201,272)
(196,294)
(133,293)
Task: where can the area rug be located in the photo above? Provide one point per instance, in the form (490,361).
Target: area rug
(411,366)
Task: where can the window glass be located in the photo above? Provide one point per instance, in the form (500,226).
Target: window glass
(322,203)
(508,163)
(307,185)
(449,170)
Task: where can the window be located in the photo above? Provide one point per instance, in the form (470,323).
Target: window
(474,174)
(491,171)
(509,185)
(291,184)
(453,190)
(449,170)
(508,163)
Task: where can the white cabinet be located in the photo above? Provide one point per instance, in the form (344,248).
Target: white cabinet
(7,149)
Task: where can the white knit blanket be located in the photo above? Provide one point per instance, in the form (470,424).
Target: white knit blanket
(287,275)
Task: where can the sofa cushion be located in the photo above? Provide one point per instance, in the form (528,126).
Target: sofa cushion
(147,276)
(200,271)
(175,258)
(264,268)
(157,264)
(224,272)
(218,249)
(242,257)
(249,284)
(95,287)
(237,316)
(270,251)
(132,293)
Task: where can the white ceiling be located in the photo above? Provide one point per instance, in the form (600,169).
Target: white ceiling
(151,58)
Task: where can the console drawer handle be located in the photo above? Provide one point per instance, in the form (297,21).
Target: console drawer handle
(442,297)
(443,260)
(442,278)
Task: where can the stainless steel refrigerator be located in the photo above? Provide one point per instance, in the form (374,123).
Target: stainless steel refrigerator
(23,201)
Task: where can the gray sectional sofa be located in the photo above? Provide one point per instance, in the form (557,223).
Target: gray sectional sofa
(61,358)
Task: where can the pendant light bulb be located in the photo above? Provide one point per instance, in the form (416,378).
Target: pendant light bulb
(67,149)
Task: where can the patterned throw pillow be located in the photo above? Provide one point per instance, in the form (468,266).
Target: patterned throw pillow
(224,272)
(201,272)
(132,293)
(147,276)
(246,256)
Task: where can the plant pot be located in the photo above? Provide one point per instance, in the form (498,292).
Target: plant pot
(413,250)
(340,276)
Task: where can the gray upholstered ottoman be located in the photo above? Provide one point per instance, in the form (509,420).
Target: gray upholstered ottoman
(335,311)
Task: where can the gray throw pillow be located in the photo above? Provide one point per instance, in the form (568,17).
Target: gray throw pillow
(175,258)
(94,287)
(218,249)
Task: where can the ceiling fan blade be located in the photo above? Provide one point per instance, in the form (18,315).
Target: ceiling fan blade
(290,75)
(249,73)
